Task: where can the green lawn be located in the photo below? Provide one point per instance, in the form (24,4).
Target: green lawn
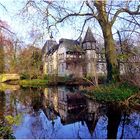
(33,82)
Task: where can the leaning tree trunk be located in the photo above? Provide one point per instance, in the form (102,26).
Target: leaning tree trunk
(110,53)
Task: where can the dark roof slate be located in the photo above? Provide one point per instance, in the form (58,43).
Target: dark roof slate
(89,36)
(49,46)
(71,45)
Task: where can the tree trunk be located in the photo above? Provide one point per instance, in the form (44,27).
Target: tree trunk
(1,59)
(110,53)
(110,49)
(1,54)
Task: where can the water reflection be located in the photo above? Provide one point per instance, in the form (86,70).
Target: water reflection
(114,118)
(6,87)
(61,112)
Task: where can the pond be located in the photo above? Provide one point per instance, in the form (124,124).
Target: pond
(63,113)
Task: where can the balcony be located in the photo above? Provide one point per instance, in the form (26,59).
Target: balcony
(75,58)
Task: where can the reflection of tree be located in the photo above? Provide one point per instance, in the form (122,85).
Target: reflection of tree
(36,126)
(126,119)
(36,103)
(11,103)
(2,110)
(123,124)
(114,118)
(5,130)
(41,128)
(130,125)
(2,106)
(30,97)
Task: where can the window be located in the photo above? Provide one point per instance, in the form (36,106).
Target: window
(98,67)
(51,68)
(61,56)
(67,66)
(63,67)
(84,46)
(89,65)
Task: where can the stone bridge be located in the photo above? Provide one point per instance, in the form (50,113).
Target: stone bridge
(8,77)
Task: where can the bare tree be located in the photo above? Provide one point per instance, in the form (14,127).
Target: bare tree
(30,62)
(3,41)
(1,54)
(129,57)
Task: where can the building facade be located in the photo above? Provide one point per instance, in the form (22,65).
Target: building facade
(73,58)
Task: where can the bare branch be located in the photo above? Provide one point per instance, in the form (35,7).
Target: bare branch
(3,6)
(134,31)
(84,26)
(2,27)
(81,7)
(136,21)
(71,15)
(87,3)
(137,12)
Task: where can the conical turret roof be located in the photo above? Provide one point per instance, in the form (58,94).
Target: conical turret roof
(89,36)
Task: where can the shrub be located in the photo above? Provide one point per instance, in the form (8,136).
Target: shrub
(24,76)
(113,92)
(45,77)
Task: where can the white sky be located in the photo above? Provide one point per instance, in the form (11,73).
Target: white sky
(16,24)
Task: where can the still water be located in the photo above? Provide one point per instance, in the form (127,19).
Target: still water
(63,113)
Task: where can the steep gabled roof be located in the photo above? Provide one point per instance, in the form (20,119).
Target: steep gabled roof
(48,46)
(54,48)
(89,36)
(71,45)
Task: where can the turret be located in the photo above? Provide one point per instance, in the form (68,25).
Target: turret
(89,42)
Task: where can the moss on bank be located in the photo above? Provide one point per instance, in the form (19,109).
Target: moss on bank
(33,82)
(112,92)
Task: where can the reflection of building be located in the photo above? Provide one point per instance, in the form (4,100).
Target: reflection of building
(51,96)
(71,107)
(50,103)
(92,115)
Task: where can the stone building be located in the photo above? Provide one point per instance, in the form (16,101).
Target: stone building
(73,58)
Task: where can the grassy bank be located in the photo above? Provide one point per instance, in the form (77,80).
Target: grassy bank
(113,92)
(33,82)
(53,80)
